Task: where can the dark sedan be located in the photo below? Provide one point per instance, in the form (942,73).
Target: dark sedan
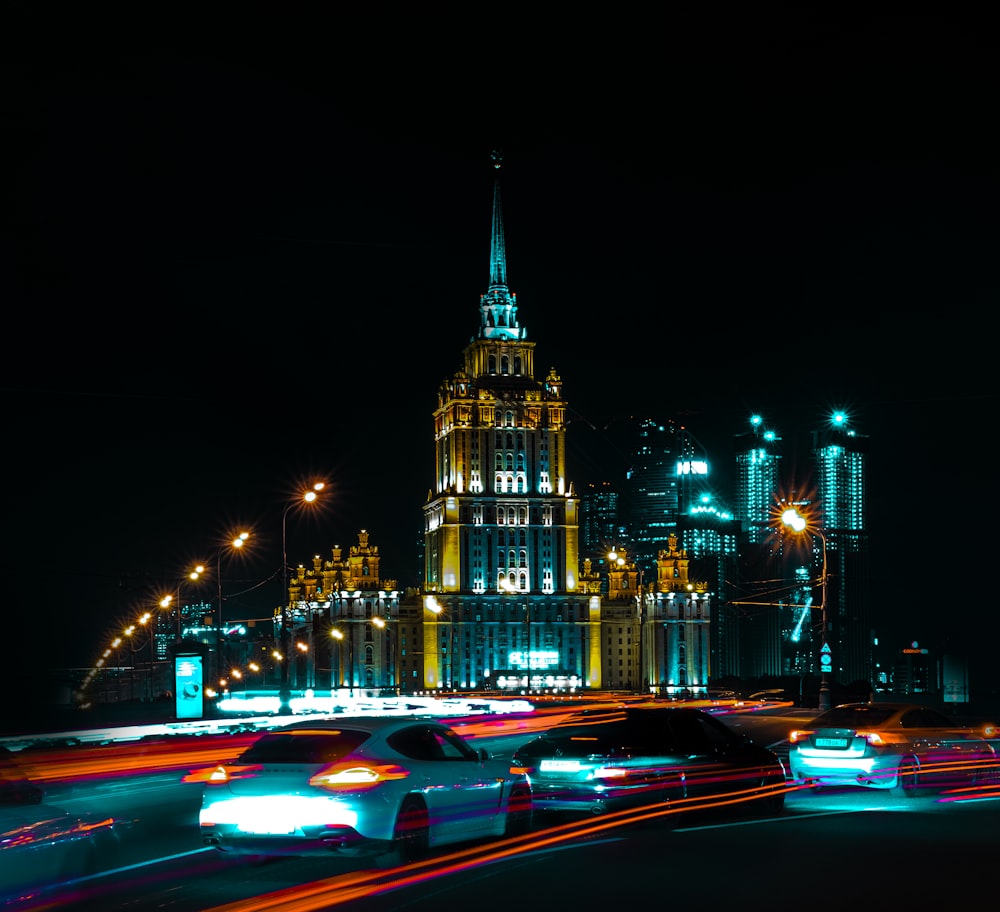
(645,755)
(44,848)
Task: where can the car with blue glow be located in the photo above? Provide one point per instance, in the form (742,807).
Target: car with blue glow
(902,747)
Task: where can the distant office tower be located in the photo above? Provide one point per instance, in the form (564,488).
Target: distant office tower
(710,535)
(653,494)
(755,612)
(840,457)
(600,524)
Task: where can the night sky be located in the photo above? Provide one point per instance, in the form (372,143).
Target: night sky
(243,251)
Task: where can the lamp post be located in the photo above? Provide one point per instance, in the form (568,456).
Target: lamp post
(434,606)
(383,624)
(148,619)
(798,523)
(167,600)
(284,691)
(236,544)
(338,635)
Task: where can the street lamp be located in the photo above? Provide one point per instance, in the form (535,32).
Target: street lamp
(383,624)
(284,692)
(167,600)
(146,618)
(236,544)
(505,585)
(799,524)
(434,606)
(338,635)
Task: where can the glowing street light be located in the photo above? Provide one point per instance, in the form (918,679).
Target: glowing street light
(799,524)
(236,544)
(144,620)
(383,624)
(169,600)
(338,635)
(435,607)
(306,497)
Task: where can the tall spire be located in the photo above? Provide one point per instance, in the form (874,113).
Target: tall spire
(498,307)
(498,251)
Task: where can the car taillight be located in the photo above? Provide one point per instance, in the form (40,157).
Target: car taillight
(220,775)
(342,776)
(878,739)
(610,772)
(798,735)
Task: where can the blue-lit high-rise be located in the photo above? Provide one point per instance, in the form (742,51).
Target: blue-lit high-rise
(757,462)
(840,457)
(778,596)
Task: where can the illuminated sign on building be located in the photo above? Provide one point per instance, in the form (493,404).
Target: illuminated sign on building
(558,681)
(692,467)
(546,658)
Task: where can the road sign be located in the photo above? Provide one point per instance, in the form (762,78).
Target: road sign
(825,658)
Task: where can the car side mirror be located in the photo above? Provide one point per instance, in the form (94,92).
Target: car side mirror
(484,755)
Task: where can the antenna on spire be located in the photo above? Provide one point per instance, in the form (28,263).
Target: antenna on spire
(496,156)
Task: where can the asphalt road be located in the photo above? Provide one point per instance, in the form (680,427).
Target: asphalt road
(826,849)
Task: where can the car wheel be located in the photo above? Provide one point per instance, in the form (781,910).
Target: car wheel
(519,811)
(906,779)
(674,790)
(774,800)
(411,835)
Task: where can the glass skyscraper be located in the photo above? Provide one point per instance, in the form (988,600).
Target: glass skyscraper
(840,456)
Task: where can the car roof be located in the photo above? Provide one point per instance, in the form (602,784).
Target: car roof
(373,724)
(881,705)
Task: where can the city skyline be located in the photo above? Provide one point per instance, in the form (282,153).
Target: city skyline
(246,280)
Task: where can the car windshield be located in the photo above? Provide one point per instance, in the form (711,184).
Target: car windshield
(580,742)
(304,746)
(613,738)
(854,717)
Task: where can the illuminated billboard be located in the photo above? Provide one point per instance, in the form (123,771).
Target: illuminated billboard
(189,689)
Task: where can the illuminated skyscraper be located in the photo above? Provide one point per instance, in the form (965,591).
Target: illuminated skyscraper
(600,522)
(652,487)
(781,625)
(507,603)
(840,456)
(710,535)
(503,604)
(759,620)
(757,460)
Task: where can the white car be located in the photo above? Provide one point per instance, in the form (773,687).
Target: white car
(362,786)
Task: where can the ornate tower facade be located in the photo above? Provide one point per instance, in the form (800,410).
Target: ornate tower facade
(503,605)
